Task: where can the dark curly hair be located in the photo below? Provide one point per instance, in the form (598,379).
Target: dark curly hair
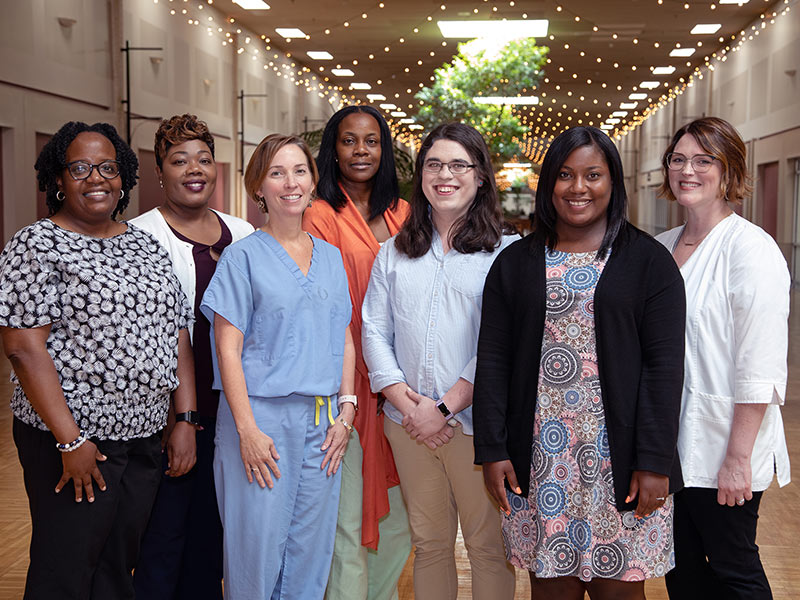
(482,227)
(52,161)
(385,188)
(179,129)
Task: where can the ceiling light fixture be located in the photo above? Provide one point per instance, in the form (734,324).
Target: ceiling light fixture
(388,106)
(290,32)
(512,165)
(342,72)
(398,113)
(663,70)
(705,28)
(628,105)
(507,29)
(252,4)
(319,55)
(360,86)
(682,52)
(376,97)
(506,100)
(649,85)
(619,113)
(637,96)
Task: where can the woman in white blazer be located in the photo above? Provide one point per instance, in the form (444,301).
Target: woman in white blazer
(731,441)
(181,555)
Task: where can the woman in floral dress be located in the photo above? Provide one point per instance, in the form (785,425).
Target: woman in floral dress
(589,458)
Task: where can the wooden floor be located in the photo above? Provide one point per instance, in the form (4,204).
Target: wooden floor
(778,532)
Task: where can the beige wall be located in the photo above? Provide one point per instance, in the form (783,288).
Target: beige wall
(758,91)
(51,74)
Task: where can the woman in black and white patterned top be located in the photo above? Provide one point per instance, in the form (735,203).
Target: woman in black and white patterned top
(95,325)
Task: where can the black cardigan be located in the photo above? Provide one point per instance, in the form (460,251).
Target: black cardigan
(640,317)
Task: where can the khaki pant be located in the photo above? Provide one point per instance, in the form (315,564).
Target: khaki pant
(440,488)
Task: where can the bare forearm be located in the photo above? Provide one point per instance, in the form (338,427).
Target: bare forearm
(458,397)
(185,397)
(347,386)
(747,420)
(229,341)
(397,396)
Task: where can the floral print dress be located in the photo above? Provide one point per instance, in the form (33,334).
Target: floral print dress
(569,525)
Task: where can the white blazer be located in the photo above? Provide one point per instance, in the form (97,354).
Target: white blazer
(737,310)
(181,252)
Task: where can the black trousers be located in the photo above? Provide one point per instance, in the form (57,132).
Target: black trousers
(716,556)
(181,554)
(86,551)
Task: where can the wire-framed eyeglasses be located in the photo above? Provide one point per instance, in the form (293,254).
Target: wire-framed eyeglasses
(700,162)
(80,169)
(456,167)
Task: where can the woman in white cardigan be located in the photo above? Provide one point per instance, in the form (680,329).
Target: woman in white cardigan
(731,441)
(181,555)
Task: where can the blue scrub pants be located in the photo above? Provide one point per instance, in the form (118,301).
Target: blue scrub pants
(278,543)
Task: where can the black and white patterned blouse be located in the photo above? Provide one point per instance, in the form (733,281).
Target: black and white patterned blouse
(115,309)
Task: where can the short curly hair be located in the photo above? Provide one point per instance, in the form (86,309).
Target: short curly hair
(52,162)
(179,129)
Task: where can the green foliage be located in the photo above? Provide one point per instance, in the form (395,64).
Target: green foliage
(514,70)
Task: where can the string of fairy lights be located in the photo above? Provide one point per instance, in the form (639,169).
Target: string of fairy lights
(710,64)
(556,90)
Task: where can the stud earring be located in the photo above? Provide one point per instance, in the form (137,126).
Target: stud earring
(161,183)
(480,183)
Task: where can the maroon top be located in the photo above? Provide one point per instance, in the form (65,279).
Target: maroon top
(204,267)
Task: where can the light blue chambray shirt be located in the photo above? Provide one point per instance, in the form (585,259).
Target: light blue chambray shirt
(421,318)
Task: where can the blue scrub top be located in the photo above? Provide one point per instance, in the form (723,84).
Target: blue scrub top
(293,324)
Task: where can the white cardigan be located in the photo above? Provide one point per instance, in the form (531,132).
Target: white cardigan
(737,310)
(181,252)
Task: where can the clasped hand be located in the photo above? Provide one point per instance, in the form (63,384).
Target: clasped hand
(425,423)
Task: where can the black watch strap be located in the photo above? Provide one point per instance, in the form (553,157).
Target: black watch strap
(190,416)
(444,410)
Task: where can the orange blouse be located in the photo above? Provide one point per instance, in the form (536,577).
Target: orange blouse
(348,231)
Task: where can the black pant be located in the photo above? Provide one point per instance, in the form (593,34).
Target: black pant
(181,555)
(716,556)
(86,551)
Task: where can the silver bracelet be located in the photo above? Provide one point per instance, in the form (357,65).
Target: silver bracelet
(74,444)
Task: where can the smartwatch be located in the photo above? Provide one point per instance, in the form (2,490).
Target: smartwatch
(190,416)
(444,410)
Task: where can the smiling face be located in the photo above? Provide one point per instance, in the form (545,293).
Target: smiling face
(189,174)
(450,196)
(93,199)
(582,193)
(358,148)
(288,183)
(690,188)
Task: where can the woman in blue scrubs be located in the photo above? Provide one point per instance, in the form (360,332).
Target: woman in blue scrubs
(280,308)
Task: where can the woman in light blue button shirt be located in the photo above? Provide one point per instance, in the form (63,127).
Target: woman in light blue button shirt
(420,331)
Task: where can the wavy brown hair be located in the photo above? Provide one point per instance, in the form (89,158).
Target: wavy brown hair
(721,140)
(481,228)
(179,129)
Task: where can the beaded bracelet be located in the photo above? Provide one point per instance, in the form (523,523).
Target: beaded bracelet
(74,444)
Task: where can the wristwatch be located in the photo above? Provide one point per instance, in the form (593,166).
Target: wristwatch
(190,416)
(448,416)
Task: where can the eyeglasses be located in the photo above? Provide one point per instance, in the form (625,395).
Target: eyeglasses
(455,167)
(700,162)
(80,169)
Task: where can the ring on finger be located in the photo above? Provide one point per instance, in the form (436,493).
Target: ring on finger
(740,501)
(661,499)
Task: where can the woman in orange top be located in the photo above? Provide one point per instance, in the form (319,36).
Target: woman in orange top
(360,210)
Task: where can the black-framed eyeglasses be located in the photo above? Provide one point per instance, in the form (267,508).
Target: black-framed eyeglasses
(700,162)
(455,167)
(80,169)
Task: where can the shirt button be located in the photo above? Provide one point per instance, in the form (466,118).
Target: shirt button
(432,323)
(430,355)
